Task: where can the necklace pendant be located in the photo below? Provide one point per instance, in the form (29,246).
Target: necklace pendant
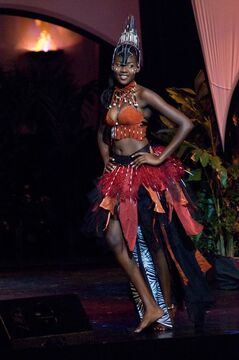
(124,95)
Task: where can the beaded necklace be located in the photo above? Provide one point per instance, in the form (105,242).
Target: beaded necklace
(124,95)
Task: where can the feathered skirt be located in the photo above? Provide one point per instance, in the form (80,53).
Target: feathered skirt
(155,212)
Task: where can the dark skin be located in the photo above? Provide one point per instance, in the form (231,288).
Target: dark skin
(146,99)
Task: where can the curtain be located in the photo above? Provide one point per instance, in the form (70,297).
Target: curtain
(218,28)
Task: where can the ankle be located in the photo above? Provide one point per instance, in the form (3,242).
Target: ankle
(171,307)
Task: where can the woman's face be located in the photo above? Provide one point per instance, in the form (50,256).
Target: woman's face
(124,74)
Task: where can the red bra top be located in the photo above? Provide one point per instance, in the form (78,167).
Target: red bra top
(127,116)
(129,124)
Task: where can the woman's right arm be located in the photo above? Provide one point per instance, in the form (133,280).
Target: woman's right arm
(104,150)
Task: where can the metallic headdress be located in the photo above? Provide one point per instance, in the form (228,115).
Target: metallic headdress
(128,43)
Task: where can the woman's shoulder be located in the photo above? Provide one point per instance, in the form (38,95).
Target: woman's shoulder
(145,94)
(141,92)
(144,91)
(140,89)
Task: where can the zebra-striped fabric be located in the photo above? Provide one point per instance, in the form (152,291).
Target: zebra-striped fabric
(144,260)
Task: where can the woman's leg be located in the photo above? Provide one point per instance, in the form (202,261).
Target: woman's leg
(115,239)
(162,270)
(163,273)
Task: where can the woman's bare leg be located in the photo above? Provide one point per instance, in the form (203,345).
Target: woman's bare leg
(115,239)
(163,273)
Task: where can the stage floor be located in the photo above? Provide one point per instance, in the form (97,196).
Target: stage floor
(104,294)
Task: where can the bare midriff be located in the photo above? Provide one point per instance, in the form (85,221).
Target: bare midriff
(128,146)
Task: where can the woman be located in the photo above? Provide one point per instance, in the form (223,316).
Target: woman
(140,197)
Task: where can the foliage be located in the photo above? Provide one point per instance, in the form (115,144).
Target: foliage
(214,176)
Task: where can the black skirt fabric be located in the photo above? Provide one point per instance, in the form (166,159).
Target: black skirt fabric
(160,230)
(196,294)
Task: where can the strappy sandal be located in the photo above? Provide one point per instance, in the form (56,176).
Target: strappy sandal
(158,327)
(172,312)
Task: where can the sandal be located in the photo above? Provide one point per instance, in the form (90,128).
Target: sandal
(158,327)
(172,311)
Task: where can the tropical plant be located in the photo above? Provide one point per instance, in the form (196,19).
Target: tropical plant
(208,167)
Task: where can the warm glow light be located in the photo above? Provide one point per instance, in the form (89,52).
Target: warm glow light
(39,35)
(38,22)
(44,42)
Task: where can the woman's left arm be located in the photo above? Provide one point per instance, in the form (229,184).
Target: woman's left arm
(185,125)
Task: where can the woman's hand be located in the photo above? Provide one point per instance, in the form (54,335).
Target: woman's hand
(145,158)
(109,165)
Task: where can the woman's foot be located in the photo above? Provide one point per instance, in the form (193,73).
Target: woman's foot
(149,318)
(157,327)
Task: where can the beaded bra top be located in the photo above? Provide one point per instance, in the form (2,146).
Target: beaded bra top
(123,116)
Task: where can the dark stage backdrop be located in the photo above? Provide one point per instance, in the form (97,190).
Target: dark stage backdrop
(172,52)
(51,158)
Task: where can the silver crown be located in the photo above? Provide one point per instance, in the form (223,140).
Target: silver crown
(129,35)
